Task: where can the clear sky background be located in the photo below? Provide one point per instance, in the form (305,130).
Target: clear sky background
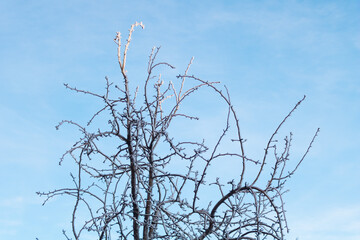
(269,54)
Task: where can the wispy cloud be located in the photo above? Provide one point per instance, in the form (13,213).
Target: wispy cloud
(334,223)
(10,223)
(12,202)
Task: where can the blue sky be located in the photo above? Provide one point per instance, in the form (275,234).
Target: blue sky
(269,54)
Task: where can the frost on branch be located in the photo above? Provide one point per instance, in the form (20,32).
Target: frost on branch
(131,189)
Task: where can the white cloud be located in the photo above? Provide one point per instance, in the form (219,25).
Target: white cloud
(356,41)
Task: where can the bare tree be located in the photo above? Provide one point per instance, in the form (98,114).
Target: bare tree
(127,187)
